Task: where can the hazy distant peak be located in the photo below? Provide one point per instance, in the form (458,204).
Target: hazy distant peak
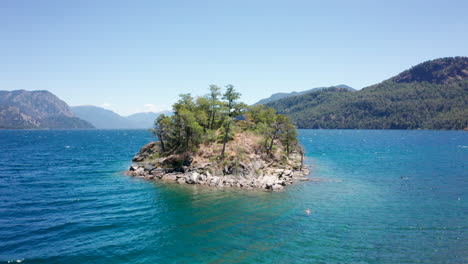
(108,119)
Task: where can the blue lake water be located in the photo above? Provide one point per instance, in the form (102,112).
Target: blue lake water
(398,197)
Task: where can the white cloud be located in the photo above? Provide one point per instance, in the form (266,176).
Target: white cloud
(106,106)
(136,108)
(154,108)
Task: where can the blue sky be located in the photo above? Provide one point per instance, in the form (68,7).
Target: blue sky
(133,56)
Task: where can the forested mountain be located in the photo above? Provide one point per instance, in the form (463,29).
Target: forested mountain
(278,96)
(430,95)
(22,109)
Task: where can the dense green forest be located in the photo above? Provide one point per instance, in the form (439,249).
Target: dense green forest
(431,95)
(214,119)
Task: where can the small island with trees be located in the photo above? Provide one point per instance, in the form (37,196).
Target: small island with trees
(216,140)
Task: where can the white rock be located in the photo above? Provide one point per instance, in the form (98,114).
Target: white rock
(181,180)
(280,182)
(277,187)
(194,176)
(169,177)
(201,177)
(215,179)
(139,171)
(279,171)
(269,180)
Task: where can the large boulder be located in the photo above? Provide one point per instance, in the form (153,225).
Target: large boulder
(169,177)
(133,167)
(276,187)
(180,180)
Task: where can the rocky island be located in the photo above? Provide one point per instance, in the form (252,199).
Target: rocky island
(217,141)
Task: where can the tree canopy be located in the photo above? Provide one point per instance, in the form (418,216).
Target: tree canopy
(216,118)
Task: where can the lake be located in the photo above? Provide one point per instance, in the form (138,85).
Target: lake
(394,197)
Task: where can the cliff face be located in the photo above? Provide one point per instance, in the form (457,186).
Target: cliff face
(22,109)
(11,117)
(246,165)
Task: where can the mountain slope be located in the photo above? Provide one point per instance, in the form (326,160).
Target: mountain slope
(431,95)
(22,109)
(146,119)
(278,96)
(438,71)
(102,118)
(106,119)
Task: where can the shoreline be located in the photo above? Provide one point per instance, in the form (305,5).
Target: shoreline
(271,178)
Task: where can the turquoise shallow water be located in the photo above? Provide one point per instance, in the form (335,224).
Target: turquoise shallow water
(399,197)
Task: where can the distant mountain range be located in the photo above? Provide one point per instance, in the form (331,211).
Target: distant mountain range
(278,96)
(146,119)
(22,109)
(430,95)
(106,119)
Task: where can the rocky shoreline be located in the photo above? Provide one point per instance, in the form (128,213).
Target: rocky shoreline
(274,180)
(254,174)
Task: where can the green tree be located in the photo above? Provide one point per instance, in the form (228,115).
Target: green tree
(231,96)
(214,104)
(192,131)
(288,136)
(208,119)
(202,112)
(162,129)
(277,125)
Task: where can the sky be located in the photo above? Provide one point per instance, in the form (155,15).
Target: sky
(137,56)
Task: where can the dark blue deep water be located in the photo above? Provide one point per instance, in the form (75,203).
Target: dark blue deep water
(398,197)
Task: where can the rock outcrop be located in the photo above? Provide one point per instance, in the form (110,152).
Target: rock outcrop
(250,169)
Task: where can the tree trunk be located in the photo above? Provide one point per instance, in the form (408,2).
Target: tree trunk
(188,135)
(271,144)
(272,141)
(162,144)
(225,138)
(212,119)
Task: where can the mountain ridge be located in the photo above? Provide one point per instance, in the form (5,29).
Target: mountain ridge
(103,118)
(40,109)
(278,96)
(430,95)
